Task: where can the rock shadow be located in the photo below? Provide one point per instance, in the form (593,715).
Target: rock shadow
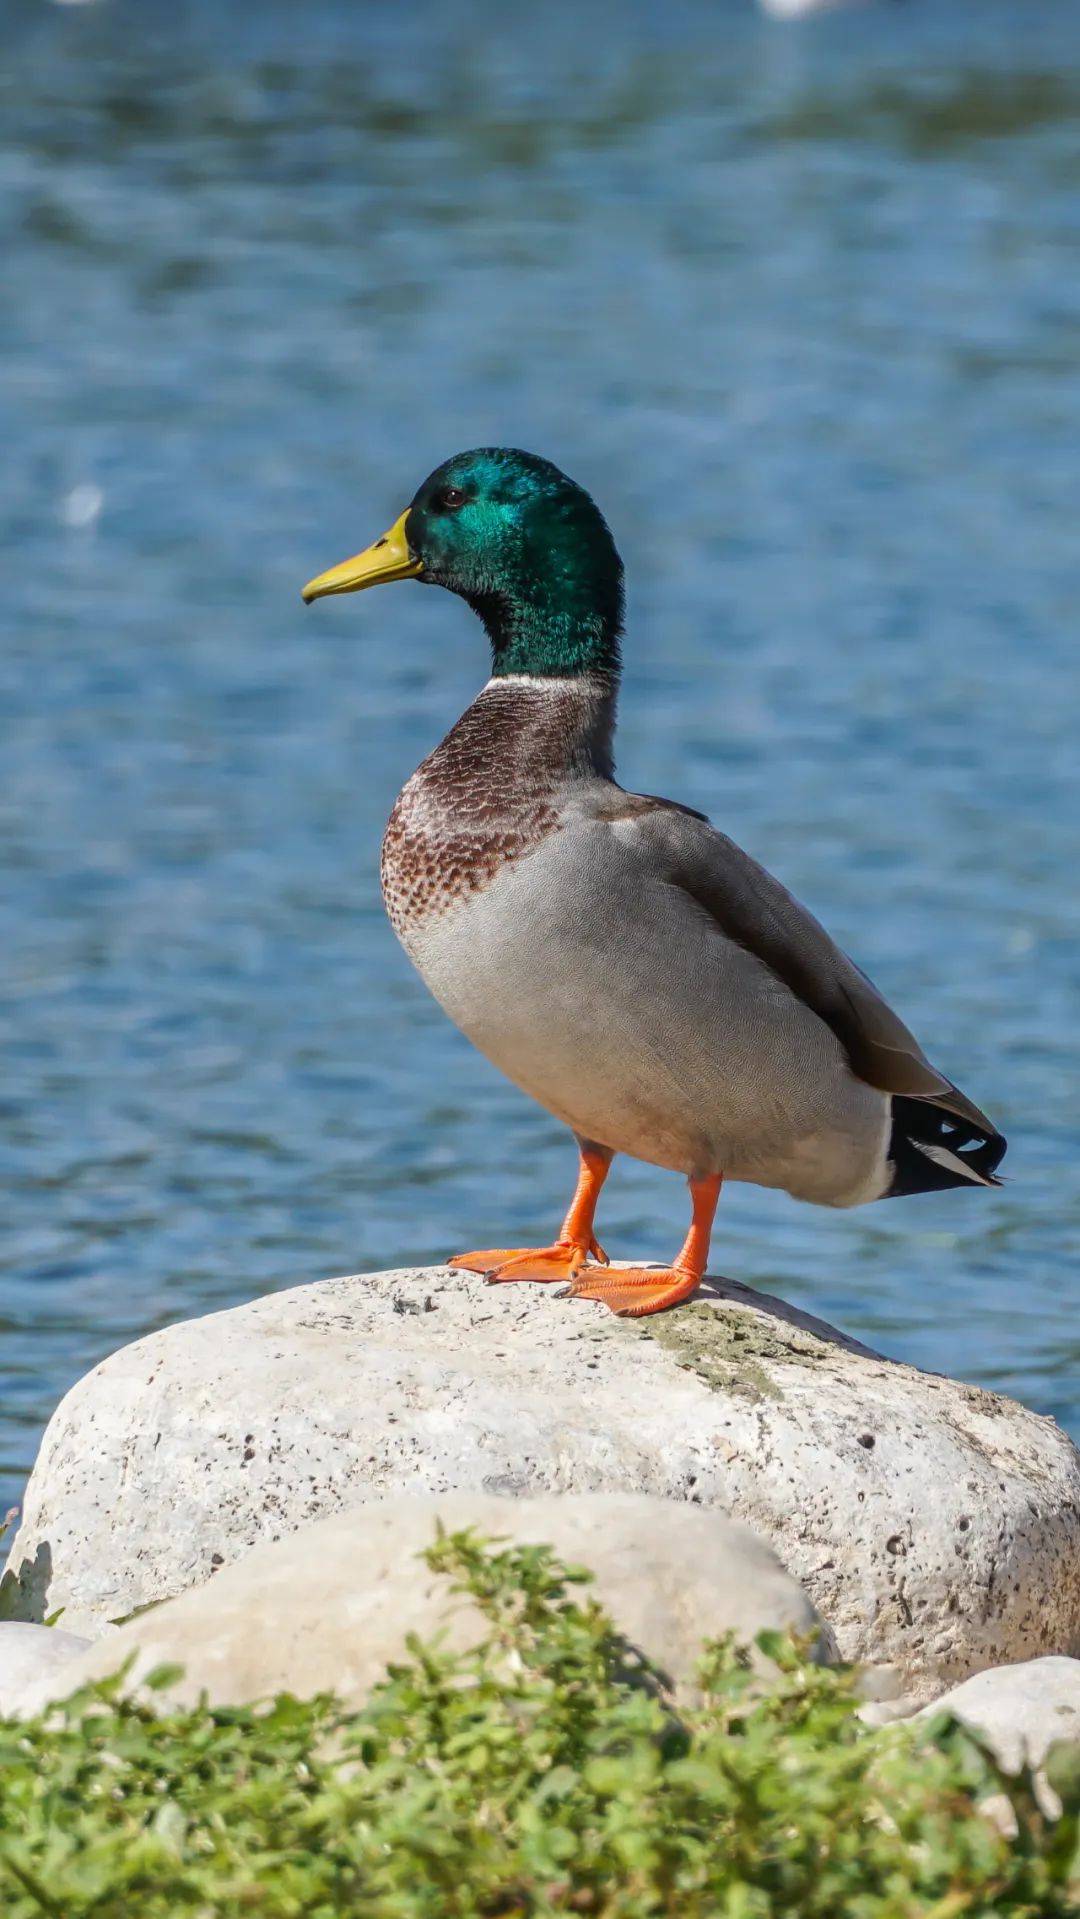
(24,1595)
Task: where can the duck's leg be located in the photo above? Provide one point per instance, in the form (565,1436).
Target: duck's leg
(633,1291)
(571,1251)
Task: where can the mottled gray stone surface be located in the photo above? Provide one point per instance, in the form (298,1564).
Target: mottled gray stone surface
(936,1526)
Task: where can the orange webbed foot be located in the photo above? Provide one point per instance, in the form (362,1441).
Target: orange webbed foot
(635,1291)
(565,1260)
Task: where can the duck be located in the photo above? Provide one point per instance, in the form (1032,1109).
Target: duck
(617,957)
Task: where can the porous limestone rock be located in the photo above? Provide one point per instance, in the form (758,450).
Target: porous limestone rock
(326,1608)
(32,1656)
(936,1526)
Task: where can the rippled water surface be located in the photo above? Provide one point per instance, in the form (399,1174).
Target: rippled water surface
(801,305)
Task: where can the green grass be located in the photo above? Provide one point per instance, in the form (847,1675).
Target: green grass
(540,1775)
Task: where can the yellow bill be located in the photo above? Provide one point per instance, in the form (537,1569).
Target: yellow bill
(388,559)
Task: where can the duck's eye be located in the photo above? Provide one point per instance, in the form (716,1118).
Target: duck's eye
(451,496)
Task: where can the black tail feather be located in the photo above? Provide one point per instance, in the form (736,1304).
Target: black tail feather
(931,1149)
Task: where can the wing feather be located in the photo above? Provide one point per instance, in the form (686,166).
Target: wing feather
(757,912)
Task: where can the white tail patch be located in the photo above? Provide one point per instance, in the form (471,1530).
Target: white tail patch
(952,1162)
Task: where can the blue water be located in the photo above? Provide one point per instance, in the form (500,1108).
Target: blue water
(801,305)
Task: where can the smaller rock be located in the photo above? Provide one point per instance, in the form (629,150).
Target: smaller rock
(879,1712)
(884,1699)
(876,1713)
(327,1608)
(32,1656)
(1021,1711)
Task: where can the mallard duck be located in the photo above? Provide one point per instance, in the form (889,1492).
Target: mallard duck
(619,959)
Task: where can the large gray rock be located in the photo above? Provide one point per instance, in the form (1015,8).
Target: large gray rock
(33,1656)
(327,1608)
(935,1526)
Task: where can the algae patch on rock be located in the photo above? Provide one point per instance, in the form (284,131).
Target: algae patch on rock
(726,1349)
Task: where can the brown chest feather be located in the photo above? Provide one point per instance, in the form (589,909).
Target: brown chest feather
(486,796)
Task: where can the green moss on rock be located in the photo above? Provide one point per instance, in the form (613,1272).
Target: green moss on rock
(730,1349)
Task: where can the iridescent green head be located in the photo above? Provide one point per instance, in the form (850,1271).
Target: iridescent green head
(525,547)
